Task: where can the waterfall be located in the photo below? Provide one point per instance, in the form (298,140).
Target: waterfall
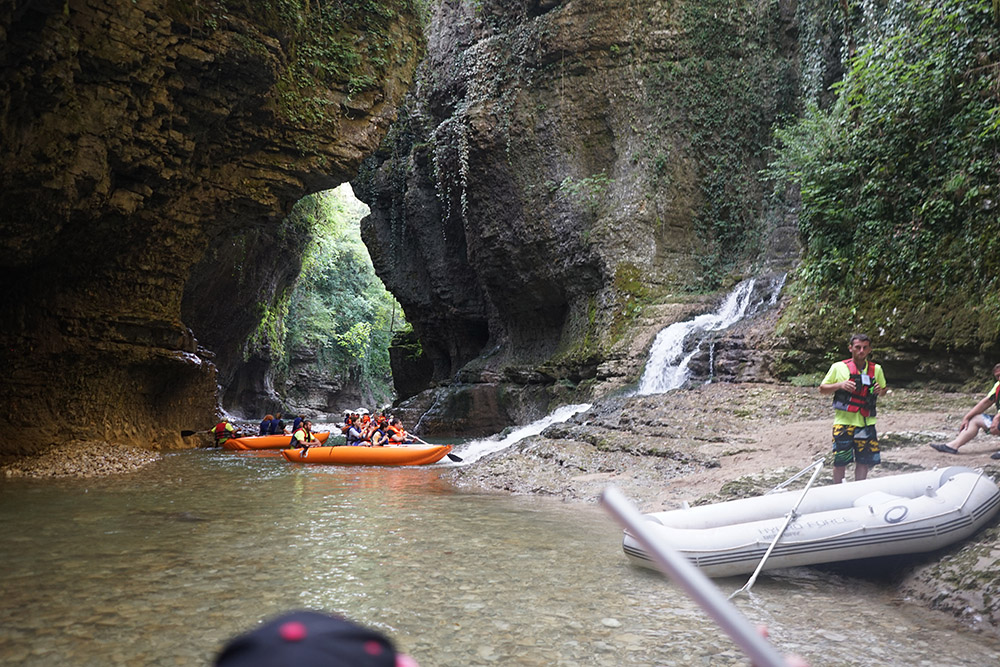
(666,369)
(430,410)
(711,360)
(673,350)
(477,449)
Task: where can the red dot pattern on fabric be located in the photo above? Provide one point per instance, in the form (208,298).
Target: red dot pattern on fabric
(293,631)
(373,648)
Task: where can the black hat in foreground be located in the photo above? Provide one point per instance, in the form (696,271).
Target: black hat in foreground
(308,638)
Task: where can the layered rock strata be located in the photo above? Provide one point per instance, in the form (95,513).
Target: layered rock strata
(553,171)
(151,151)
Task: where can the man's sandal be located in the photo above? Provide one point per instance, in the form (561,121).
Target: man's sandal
(947,450)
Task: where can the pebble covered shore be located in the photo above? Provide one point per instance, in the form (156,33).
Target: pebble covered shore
(79,458)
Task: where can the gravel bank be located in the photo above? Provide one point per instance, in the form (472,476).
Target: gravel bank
(79,458)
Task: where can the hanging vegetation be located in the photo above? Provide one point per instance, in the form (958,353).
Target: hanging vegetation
(899,183)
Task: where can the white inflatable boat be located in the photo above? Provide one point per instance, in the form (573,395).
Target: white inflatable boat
(910,513)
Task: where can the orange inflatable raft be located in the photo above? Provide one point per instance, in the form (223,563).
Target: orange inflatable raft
(389,455)
(266,441)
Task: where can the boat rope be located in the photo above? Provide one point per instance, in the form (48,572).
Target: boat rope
(817,462)
(972,489)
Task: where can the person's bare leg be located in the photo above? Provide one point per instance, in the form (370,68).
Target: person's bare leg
(860,472)
(970,432)
(838,474)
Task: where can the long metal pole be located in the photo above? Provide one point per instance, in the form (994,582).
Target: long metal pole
(683,573)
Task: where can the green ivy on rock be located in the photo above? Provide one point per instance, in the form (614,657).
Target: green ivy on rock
(899,181)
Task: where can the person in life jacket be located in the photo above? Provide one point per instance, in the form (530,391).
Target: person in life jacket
(856,384)
(265,425)
(351,430)
(378,437)
(396,433)
(303,438)
(977,420)
(346,424)
(223,431)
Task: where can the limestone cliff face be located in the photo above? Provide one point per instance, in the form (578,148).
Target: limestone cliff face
(558,165)
(151,151)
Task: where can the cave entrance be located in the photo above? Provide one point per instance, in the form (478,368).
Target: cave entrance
(322,346)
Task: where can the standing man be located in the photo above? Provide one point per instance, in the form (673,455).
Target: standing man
(856,384)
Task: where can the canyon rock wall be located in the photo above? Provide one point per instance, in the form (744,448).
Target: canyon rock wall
(565,179)
(560,165)
(151,151)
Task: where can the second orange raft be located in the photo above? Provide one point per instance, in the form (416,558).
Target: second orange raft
(266,441)
(389,455)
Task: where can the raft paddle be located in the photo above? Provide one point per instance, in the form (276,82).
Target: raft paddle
(188,434)
(454,457)
(701,589)
(791,516)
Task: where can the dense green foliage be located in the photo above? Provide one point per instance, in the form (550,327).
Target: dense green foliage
(899,181)
(339,308)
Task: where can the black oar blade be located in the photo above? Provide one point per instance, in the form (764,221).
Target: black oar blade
(185,434)
(455,457)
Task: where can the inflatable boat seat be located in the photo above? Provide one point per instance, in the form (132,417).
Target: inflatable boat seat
(877,498)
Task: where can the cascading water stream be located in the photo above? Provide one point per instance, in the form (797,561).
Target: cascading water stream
(672,351)
(711,361)
(666,369)
(477,449)
(437,400)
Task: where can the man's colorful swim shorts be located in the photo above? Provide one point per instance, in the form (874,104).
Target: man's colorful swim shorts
(855,443)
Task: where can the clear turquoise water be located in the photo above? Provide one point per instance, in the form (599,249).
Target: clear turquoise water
(160,567)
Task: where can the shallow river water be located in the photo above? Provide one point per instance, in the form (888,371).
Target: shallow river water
(161,566)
